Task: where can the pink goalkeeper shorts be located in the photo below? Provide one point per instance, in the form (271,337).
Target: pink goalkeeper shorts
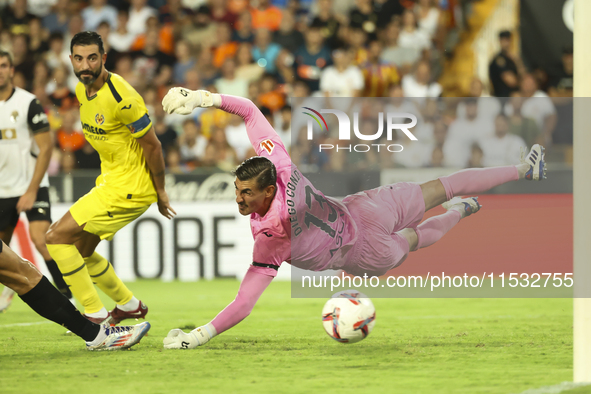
(379,214)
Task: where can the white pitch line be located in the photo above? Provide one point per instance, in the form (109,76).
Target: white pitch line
(24,324)
(556,389)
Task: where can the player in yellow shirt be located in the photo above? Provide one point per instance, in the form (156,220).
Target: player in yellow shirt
(115,122)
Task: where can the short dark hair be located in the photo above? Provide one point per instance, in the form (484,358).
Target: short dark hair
(259,168)
(505,34)
(7,55)
(85,38)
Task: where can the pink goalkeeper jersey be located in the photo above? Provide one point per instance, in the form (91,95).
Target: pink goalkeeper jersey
(302,226)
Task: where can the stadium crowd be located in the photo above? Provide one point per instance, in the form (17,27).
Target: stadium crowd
(278,53)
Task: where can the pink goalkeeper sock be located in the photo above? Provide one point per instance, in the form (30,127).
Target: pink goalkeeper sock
(432,229)
(477,180)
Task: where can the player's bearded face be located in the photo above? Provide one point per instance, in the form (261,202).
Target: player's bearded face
(87,63)
(88,76)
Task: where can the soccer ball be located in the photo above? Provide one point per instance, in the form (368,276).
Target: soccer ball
(349,316)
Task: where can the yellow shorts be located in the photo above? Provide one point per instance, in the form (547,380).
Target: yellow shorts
(101,217)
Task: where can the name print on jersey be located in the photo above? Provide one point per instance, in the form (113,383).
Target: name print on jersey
(96,133)
(294,179)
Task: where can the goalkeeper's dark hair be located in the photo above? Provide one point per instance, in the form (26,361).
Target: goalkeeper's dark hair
(85,38)
(259,168)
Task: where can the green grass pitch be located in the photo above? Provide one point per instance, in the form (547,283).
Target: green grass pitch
(417,346)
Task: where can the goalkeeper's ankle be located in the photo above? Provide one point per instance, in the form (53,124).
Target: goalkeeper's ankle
(204,333)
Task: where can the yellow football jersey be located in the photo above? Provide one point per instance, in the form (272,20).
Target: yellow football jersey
(112,120)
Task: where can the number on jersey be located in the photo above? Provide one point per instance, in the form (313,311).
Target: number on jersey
(268,145)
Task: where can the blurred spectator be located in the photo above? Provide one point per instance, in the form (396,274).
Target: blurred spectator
(58,53)
(224,48)
(399,104)
(503,72)
(121,39)
(394,54)
(254,91)
(165,38)
(386,10)
(308,159)
(378,76)
(342,79)
(175,13)
(270,96)
(358,159)
(476,156)
(312,57)
(219,153)
(502,148)
(98,11)
(328,22)
(428,15)
(246,68)
(537,106)
(57,21)
(149,61)
(362,16)
(174,165)
(220,13)
(287,36)
(40,8)
(436,158)
(357,39)
(410,35)
(60,94)
(166,135)
(207,72)
(139,12)
(419,83)
(19,80)
(522,126)
(229,83)
(212,118)
(38,45)
(243,30)
(40,75)
(200,32)
(265,15)
(237,136)
(561,85)
(192,143)
(75,26)
(104,30)
(22,61)
(124,68)
(70,139)
(463,133)
(264,51)
(282,126)
(488,107)
(16,17)
(87,158)
(184,61)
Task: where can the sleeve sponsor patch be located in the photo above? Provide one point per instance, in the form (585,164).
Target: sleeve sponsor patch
(268,145)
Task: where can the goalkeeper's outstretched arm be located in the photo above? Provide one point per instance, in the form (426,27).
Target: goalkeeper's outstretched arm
(251,288)
(183,101)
